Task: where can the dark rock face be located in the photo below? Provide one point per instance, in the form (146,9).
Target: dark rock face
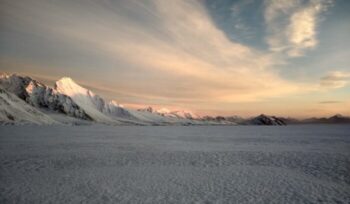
(41,96)
(148,109)
(227,120)
(266,120)
(15,84)
(220,118)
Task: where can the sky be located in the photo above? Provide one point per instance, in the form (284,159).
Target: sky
(213,57)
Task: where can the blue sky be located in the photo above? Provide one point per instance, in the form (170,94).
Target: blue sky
(213,57)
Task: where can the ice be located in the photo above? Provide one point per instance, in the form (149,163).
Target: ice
(175,164)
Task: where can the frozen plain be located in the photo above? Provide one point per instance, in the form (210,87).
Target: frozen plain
(196,164)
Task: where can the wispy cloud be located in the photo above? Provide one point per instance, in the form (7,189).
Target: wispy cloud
(329,102)
(336,79)
(292,25)
(182,45)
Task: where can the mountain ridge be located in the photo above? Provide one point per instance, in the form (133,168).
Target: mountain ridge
(67,99)
(41,96)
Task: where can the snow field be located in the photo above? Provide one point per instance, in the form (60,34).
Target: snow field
(221,164)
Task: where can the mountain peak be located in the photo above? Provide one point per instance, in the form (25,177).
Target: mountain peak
(163,111)
(67,80)
(337,116)
(67,86)
(115,103)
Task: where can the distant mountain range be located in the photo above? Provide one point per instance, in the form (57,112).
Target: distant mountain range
(25,100)
(331,120)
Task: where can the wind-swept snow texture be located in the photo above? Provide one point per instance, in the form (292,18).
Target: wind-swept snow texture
(176,164)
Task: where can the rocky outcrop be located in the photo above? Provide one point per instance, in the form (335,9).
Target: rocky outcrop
(266,120)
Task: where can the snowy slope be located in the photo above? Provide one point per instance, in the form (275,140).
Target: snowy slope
(99,109)
(91,103)
(164,116)
(118,112)
(15,110)
(177,113)
(154,118)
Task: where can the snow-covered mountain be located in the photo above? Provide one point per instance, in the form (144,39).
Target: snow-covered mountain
(91,103)
(41,96)
(71,99)
(68,100)
(106,111)
(237,120)
(23,99)
(181,114)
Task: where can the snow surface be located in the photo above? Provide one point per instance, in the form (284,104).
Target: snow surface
(175,164)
